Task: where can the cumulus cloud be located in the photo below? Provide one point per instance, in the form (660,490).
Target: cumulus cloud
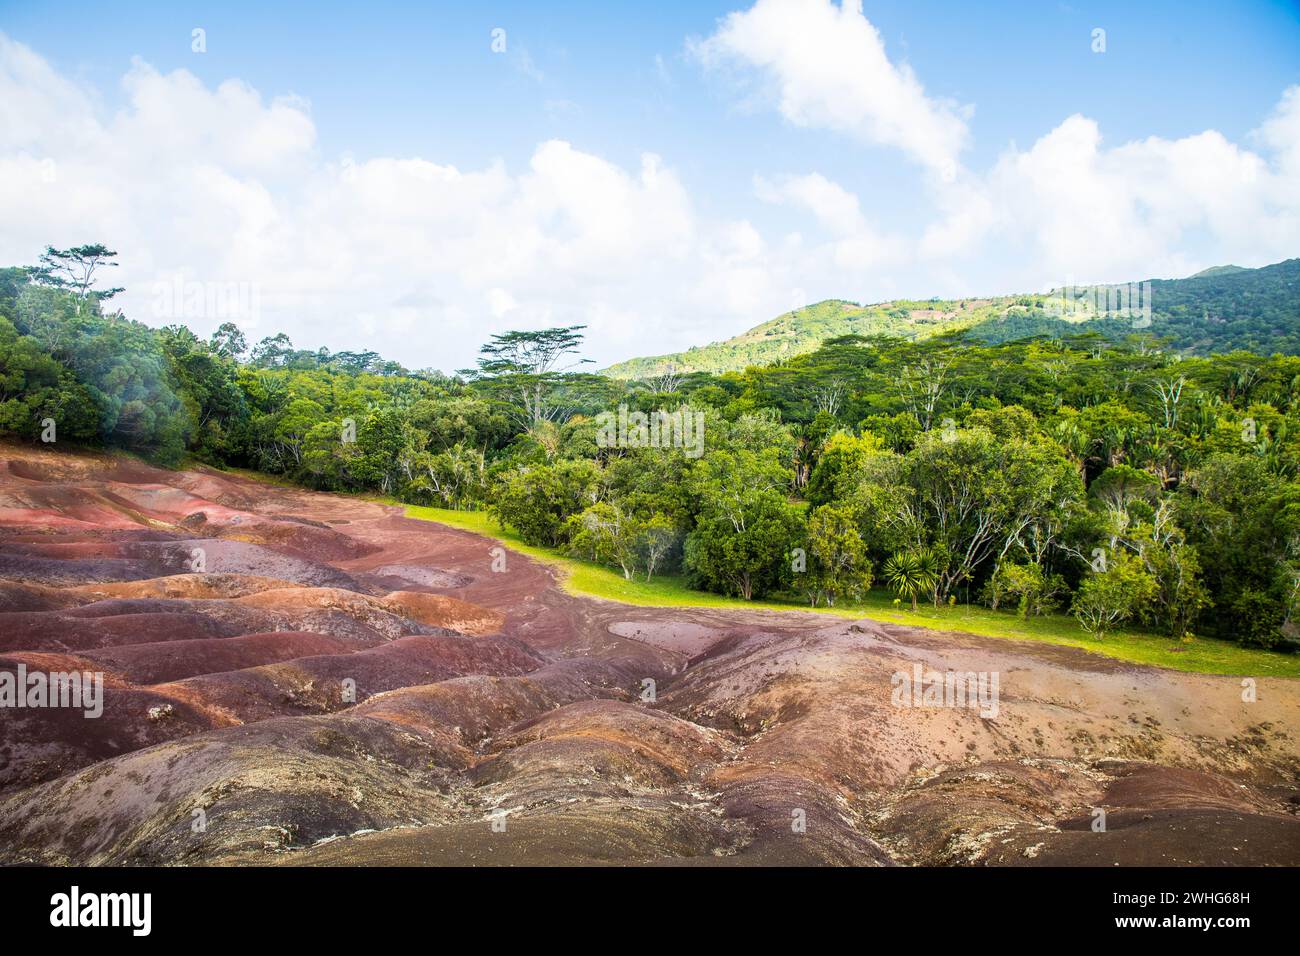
(222,186)
(422,260)
(826,66)
(1076,208)
(1070,207)
(854,245)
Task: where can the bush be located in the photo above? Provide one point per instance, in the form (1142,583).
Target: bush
(538,500)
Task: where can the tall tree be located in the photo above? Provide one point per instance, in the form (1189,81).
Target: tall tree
(528,366)
(74,270)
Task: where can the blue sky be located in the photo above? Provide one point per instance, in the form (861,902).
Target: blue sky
(751,227)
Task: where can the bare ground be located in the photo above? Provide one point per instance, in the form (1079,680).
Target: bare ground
(343,685)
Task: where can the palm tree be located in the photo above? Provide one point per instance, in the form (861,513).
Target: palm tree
(912,572)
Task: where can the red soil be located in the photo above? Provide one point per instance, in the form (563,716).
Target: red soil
(343,685)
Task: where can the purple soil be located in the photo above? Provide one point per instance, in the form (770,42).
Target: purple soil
(176,660)
(482,697)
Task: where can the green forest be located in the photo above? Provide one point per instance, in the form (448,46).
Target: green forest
(1119,480)
(1218,310)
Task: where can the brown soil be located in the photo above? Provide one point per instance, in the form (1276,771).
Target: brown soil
(343,685)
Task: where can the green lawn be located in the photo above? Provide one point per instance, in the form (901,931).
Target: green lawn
(1203,655)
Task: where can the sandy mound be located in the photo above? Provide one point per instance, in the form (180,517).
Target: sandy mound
(654,748)
(16,596)
(41,744)
(225,556)
(176,660)
(601,832)
(683,637)
(30,569)
(189,586)
(62,631)
(306,686)
(260,789)
(317,684)
(448,612)
(411,574)
(390,614)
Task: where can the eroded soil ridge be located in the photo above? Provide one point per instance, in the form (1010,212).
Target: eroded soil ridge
(301,678)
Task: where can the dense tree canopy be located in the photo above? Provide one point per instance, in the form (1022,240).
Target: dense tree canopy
(1118,482)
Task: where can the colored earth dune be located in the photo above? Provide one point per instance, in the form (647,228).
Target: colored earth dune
(300,678)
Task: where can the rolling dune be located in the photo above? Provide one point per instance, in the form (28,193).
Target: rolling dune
(342,685)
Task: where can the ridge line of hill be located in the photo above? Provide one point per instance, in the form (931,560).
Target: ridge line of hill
(1220,309)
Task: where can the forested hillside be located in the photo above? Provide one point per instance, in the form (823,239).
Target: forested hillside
(1217,310)
(804,329)
(1117,480)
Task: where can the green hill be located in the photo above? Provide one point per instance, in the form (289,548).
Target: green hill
(1217,310)
(804,329)
(1218,271)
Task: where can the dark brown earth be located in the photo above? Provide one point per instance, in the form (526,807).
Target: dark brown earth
(496,719)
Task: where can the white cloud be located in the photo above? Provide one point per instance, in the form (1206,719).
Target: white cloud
(500,302)
(1070,206)
(238,132)
(825,66)
(218,185)
(1280,134)
(39,105)
(424,260)
(855,246)
(1075,208)
(832,205)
